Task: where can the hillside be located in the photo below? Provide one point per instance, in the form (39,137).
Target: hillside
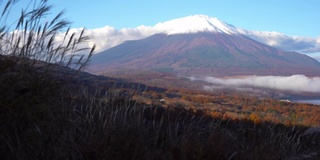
(117,119)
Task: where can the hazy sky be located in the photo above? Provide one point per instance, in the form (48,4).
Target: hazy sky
(291,17)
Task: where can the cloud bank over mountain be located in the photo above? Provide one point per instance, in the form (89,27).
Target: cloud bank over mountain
(300,44)
(107,37)
(296,83)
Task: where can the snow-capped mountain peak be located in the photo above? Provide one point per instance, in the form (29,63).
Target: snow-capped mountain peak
(194,24)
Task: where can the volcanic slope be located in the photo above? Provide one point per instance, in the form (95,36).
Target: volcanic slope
(202,45)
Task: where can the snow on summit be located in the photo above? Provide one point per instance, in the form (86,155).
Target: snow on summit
(194,24)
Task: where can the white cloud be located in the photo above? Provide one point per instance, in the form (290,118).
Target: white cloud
(288,43)
(297,83)
(107,37)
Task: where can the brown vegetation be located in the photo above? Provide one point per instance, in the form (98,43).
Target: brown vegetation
(81,121)
(237,107)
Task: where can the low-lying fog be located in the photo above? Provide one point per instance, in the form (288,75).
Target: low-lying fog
(296,83)
(300,85)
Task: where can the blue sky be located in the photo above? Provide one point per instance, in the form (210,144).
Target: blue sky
(291,17)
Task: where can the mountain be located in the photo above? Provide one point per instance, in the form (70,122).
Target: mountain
(202,45)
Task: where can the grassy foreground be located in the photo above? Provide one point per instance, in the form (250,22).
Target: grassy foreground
(65,116)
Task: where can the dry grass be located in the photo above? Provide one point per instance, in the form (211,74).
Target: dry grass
(103,124)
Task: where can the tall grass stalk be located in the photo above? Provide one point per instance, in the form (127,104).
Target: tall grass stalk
(32,38)
(31,84)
